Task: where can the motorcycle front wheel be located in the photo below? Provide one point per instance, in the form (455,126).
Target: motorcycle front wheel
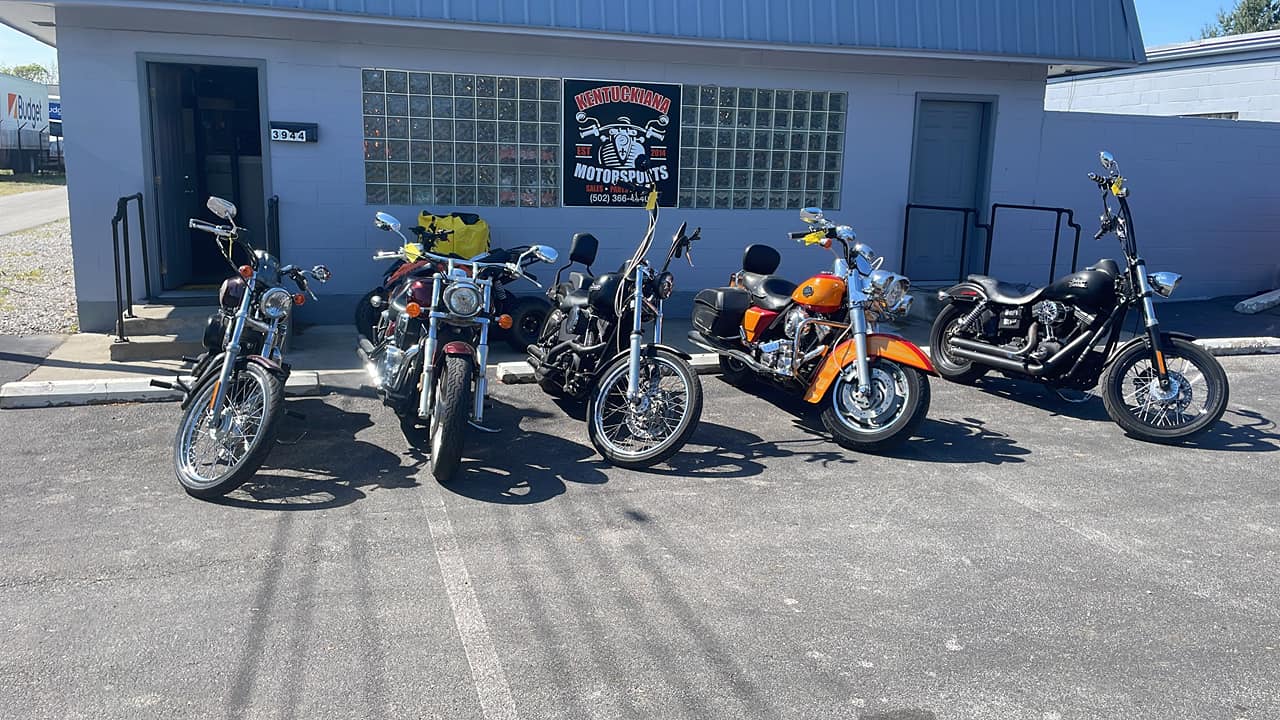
(449,419)
(644,432)
(211,462)
(898,402)
(1195,400)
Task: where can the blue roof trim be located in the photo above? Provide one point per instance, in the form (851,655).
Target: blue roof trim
(1086,31)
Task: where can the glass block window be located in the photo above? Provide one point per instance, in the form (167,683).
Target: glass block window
(760,148)
(454,139)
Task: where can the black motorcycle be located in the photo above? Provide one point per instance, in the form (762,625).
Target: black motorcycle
(643,399)
(432,347)
(1160,386)
(528,312)
(232,406)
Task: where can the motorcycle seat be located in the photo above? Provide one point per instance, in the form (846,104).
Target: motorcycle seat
(1005,293)
(769,292)
(574,299)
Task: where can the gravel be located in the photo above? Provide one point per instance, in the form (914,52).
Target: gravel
(37,281)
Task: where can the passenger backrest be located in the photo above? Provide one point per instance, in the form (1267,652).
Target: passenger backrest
(760,259)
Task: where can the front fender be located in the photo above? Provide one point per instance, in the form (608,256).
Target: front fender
(651,349)
(879,345)
(1165,337)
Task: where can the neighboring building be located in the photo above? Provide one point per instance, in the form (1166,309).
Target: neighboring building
(24,124)
(1234,78)
(749,108)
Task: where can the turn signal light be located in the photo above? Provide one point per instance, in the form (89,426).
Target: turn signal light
(504,322)
(299,298)
(246,272)
(413,309)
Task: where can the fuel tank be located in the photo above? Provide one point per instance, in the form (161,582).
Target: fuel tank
(822,293)
(1093,288)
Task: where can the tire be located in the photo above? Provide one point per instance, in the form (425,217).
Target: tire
(611,389)
(876,435)
(449,418)
(735,372)
(952,368)
(253,381)
(1183,359)
(367,317)
(528,318)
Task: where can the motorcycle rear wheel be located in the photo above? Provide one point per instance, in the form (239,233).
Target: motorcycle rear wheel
(255,400)
(367,316)
(899,403)
(630,439)
(735,372)
(1131,394)
(955,369)
(448,423)
(528,316)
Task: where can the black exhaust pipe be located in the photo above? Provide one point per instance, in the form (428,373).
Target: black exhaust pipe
(1003,359)
(707,343)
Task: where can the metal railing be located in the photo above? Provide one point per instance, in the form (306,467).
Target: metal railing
(1057,234)
(273,226)
(119,240)
(966,212)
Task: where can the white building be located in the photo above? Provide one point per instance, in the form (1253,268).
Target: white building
(1235,77)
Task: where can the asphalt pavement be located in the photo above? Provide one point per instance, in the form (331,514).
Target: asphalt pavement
(32,209)
(1021,559)
(20,355)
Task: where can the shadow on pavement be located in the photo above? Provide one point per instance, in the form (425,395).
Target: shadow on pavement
(1239,431)
(1041,397)
(326,467)
(736,453)
(966,440)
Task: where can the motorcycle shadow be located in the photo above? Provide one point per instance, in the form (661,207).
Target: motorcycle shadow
(1239,430)
(321,468)
(1042,397)
(736,453)
(518,466)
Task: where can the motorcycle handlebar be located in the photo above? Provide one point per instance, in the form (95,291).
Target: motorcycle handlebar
(219,230)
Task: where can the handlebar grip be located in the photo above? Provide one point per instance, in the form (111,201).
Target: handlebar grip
(799,235)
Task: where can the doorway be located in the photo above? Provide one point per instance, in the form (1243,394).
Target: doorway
(948,169)
(206,139)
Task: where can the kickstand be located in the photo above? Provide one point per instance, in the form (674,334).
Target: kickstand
(1083,397)
(292,442)
(482,428)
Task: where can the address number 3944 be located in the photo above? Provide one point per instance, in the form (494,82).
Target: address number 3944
(288,135)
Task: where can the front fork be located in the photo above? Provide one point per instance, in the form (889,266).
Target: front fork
(1153,325)
(637,332)
(858,316)
(219,418)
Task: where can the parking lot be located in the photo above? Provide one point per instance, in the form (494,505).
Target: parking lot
(1021,559)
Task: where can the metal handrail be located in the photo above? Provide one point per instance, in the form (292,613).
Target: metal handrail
(967,212)
(124,283)
(1057,232)
(273,226)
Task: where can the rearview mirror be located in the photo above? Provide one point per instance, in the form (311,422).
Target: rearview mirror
(1109,162)
(811,215)
(321,273)
(224,209)
(864,251)
(384,221)
(545,253)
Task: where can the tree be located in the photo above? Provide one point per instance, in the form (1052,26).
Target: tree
(1247,16)
(35,72)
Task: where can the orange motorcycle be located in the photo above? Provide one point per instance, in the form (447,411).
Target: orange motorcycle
(819,337)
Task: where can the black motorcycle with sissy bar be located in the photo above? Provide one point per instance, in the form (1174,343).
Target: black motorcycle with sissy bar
(643,398)
(1160,386)
(231,408)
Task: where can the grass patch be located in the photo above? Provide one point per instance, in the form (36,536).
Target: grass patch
(12,183)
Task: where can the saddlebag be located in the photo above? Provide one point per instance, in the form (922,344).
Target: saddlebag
(718,311)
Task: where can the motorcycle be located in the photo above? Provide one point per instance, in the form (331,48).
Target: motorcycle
(231,408)
(643,399)
(1160,386)
(438,376)
(528,313)
(820,337)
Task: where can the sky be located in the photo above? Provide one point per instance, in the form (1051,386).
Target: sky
(1162,22)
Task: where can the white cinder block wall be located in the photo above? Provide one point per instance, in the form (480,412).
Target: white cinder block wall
(1251,89)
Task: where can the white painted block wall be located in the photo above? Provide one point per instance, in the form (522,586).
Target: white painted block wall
(1251,89)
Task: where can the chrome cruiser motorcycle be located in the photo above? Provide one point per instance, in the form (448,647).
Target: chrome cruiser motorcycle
(1160,386)
(819,338)
(231,410)
(643,398)
(433,344)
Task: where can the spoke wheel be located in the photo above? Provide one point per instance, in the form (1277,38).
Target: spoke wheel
(213,456)
(949,366)
(1193,402)
(641,432)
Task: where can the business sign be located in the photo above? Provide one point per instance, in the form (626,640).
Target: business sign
(24,109)
(295,132)
(618,136)
(55,111)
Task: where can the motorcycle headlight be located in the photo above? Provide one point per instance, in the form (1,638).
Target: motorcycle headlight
(462,299)
(890,286)
(275,303)
(1164,283)
(665,285)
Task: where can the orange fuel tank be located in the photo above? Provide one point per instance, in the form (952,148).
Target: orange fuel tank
(822,293)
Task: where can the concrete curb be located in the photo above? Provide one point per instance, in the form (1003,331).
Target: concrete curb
(56,393)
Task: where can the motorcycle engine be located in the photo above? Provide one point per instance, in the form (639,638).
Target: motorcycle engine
(813,334)
(1052,317)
